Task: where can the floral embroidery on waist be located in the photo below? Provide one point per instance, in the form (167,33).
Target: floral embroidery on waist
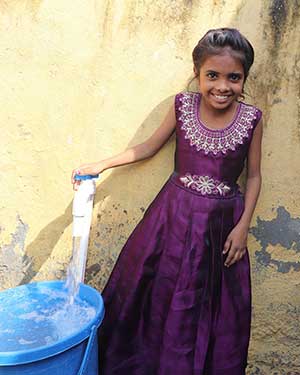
(205,185)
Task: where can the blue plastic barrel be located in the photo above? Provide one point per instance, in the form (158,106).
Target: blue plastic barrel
(42,334)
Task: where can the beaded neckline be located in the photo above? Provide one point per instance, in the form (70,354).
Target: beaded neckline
(214,140)
(201,123)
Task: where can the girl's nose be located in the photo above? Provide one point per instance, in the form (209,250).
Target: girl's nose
(222,86)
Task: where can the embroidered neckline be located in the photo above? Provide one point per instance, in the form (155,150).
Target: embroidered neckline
(202,124)
(213,140)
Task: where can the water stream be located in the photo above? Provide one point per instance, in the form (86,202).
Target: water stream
(82,217)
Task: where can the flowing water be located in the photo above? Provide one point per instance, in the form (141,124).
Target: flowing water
(75,270)
(82,216)
(33,315)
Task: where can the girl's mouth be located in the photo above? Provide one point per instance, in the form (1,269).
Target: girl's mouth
(221,97)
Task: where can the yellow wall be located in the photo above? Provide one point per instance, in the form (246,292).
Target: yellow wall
(82,80)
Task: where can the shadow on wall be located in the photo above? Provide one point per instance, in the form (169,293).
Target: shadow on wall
(121,200)
(134,180)
(113,220)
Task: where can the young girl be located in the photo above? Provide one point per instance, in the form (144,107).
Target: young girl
(178,301)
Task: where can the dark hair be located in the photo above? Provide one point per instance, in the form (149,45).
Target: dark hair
(216,40)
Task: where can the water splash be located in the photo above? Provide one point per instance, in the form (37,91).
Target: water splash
(37,322)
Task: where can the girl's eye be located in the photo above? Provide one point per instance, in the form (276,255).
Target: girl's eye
(212,75)
(235,77)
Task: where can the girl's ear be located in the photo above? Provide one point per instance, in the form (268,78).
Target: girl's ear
(195,71)
(242,95)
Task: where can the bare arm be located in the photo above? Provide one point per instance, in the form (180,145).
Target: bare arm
(253,177)
(236,241)
(133,154)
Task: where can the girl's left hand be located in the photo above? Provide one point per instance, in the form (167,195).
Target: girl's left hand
(235,245)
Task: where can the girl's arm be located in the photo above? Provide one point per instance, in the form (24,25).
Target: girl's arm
(139,152)
(253,177)
(236,242)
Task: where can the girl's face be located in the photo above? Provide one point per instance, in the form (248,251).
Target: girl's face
(221,80)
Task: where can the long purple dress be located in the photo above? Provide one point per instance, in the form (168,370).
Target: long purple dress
(172,307)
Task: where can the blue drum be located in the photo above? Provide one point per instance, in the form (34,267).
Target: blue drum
(41,333)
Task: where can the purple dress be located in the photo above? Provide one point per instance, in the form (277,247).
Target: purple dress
(172,307)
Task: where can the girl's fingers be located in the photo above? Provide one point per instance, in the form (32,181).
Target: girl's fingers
(237,257)
(243,253)
(74,172)
(227,246)
(76,185)
(230,257)
(234,256)
(230,262)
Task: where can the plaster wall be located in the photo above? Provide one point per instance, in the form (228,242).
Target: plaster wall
(83,80)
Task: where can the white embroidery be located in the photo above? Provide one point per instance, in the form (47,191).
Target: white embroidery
(204,184)
(214,141)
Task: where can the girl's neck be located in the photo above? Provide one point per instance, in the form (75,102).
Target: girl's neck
(217,118)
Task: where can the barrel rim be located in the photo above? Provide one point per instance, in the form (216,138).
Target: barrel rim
(20,357)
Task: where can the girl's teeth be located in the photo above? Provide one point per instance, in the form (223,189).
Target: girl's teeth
(220,97)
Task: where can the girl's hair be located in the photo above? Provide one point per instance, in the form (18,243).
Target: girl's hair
(216,40)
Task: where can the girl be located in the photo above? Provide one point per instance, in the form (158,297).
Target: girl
(178,301)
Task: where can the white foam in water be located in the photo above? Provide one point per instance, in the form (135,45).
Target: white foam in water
(7,331)
(25,342)
(32,315)
(36,323)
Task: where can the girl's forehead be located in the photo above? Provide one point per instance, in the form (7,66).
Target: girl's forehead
(225,61)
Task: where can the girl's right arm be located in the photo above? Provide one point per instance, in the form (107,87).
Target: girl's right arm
(139,152)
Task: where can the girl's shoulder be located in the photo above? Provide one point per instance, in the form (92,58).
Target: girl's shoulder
(186,99)
(256,113)
(186,103)
(187,94)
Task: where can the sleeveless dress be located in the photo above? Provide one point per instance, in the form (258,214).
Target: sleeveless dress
(172,307)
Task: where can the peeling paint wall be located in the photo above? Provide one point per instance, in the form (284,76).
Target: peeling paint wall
(81,81)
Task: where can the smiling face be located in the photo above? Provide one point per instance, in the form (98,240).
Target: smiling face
(221,81)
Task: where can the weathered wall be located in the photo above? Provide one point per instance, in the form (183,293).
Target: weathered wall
(82,80)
